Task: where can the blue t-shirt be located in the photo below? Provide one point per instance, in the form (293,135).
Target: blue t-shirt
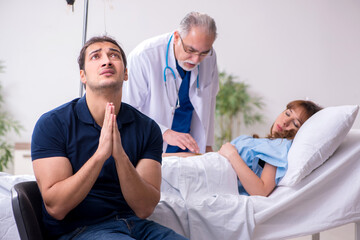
(70,131)
(271,151)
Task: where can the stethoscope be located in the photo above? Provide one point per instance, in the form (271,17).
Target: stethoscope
(177,105)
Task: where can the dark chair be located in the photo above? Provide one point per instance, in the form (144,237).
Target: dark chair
(27,206)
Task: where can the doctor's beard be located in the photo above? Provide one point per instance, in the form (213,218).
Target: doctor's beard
(182,65)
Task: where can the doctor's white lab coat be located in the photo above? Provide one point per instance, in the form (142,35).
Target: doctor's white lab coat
(146,90)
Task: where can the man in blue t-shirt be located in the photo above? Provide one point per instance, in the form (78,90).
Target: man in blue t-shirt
(97,160)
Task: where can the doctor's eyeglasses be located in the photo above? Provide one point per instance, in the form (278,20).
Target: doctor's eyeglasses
(189,50)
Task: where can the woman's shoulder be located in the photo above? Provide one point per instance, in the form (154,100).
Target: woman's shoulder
(255,140)
(243,140)
(242,137)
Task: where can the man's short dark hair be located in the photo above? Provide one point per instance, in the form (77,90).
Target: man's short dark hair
(81,58)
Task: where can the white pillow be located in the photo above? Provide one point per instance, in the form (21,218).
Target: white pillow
(317,140)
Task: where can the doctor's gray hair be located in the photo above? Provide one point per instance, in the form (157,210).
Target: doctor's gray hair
(196,19)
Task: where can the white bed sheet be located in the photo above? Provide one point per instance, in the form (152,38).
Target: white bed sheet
(200,200)
(327,198)
(8,229)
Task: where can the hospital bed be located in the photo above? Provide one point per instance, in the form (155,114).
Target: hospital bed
(327,198)
(200,201)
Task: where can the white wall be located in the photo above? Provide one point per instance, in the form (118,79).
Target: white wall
(284,49)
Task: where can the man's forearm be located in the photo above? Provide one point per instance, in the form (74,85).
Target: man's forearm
(140,186)
(61,191)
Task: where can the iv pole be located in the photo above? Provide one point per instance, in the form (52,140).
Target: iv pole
(86,3)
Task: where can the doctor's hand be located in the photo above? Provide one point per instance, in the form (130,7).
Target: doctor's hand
(182,140)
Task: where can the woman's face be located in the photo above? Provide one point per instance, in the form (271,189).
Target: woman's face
(290,119)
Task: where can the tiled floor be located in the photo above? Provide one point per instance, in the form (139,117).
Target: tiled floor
(346,232)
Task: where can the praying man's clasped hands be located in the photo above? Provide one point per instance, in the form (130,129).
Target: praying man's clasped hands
(110,140)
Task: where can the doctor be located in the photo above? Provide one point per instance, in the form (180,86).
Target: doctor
(173,79)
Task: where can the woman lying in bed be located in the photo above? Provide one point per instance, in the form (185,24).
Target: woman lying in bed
(260,163)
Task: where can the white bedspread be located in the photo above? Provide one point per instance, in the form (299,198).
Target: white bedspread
(200,199)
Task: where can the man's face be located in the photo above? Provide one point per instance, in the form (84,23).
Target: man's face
(193,48)
(104,67)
